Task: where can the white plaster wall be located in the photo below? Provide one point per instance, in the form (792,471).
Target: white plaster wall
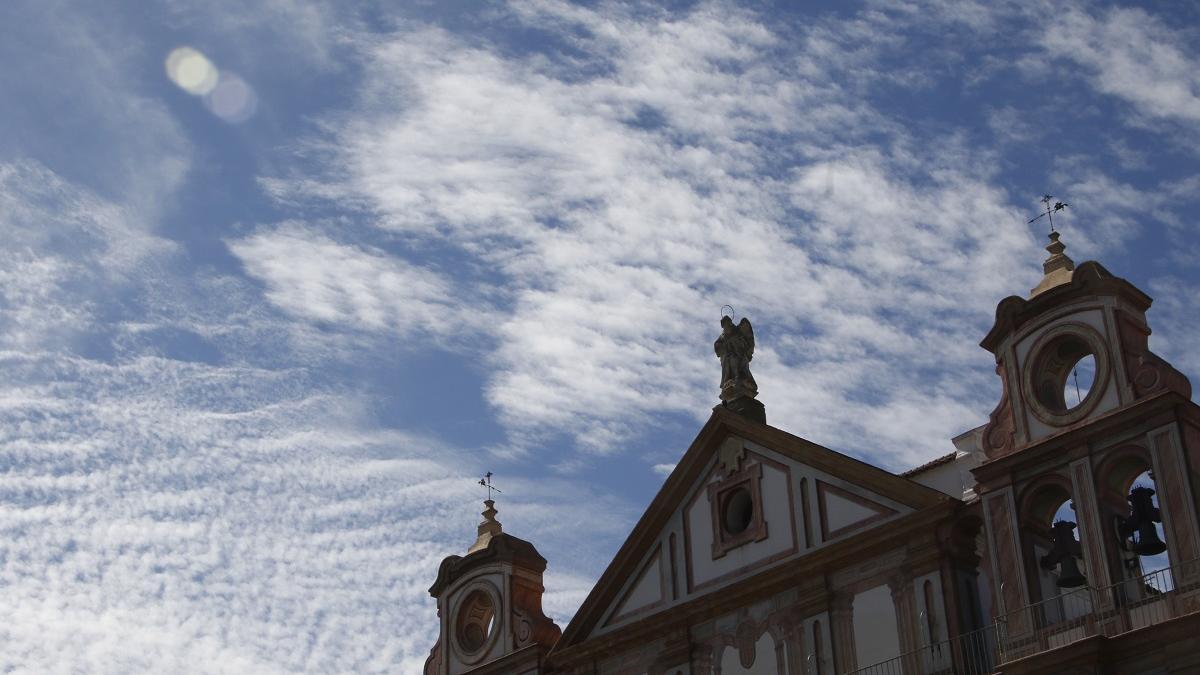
(840,512)
(765,661)
(648,589)
(953,478)
(813,476)
(1091,317)
(778,515)
(875,636)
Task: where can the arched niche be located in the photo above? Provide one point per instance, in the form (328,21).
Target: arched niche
(1127,468)
(1044,503)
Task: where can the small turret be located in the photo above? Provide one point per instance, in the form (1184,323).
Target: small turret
(490,606)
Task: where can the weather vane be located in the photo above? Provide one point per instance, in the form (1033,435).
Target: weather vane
(486,482)
(1050,210)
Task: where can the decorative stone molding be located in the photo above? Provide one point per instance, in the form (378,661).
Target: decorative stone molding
(743,484)
(1147,372)
(958,539)
(676,651)
(998,436)
(704,658)
(530,624)
(730,455)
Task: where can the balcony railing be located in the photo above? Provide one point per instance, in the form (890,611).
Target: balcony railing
(1122,607)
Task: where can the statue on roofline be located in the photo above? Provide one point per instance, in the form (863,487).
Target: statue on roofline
(735,348)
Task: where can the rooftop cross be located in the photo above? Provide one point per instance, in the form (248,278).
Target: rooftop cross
(1050,210)
(486,481)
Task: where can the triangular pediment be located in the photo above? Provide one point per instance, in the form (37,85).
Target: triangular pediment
(842,512)
(646,592)
(744,498)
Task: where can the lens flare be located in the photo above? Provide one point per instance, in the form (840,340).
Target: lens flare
(233,100)
(192,71)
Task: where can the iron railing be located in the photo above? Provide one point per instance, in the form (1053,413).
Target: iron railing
(1122,607)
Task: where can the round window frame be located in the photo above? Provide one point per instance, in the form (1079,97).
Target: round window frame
(727,504)
(476,655)
(1035,359)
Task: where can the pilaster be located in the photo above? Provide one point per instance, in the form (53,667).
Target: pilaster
(841,615)
(1175,498)
(1000,517)
(900,584)
(1092,533)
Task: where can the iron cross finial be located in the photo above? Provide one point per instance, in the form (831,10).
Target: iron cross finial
(1050,209)
(486,482)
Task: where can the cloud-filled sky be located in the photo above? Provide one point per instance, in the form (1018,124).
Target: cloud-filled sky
(266,317)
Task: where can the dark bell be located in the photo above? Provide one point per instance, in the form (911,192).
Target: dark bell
(1142,516)
(1069,575)
(1066,550)
(1148,542)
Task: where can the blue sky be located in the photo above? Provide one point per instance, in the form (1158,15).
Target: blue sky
(254,357)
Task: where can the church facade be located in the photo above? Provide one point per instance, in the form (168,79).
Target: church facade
(1061,536)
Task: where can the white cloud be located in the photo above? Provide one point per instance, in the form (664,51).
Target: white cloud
(1176,325)
(313,277)
(160,514)
(198,519)
(1134,56)
(62,245)
(625,206)
(75,101)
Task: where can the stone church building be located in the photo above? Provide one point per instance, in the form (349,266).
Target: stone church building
(1060,536)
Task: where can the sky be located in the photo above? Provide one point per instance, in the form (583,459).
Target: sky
(270,305)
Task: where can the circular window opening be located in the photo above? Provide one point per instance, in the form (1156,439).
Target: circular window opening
(1065,374)
(476,620)
(1079,382)
(739,511)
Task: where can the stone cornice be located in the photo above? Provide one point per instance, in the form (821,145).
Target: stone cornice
(1089,279)
(1165,404)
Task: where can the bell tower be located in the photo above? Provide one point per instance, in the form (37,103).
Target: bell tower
(1088,416)
(490,607)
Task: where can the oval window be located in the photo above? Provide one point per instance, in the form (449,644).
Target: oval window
(1064,374)
(738,512)
(476,620)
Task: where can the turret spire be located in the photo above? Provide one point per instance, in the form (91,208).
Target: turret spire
(489,528)
(1058,268)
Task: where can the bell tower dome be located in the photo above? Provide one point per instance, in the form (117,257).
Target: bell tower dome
(490,607)
(1078,321)
(1088,419)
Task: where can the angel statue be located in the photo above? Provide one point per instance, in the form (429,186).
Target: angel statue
(735,348)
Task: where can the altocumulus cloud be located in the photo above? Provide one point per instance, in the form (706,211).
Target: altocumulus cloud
(186,484)
(670,164)
(218,515)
